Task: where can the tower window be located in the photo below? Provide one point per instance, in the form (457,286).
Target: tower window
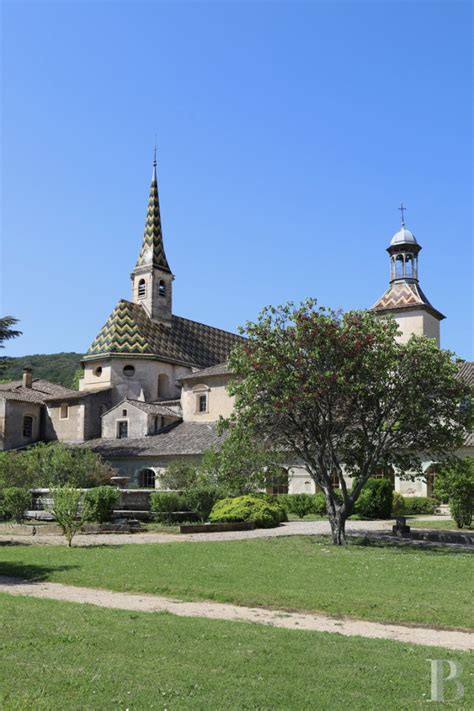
(162,288)
(129,370)
(141,289)
(27,426)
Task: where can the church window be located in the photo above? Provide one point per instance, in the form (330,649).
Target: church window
(64,412)
(141,289)
(124,413)
(97,371)
(122,429)
(27,426)
(129,370)
(162,288)
(202,403)
(146,479)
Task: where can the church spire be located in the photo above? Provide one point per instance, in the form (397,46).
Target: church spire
(153,252)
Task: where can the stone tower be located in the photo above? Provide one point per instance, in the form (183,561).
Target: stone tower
(152,280)
(404,298)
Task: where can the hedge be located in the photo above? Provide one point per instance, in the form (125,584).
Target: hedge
(246,508)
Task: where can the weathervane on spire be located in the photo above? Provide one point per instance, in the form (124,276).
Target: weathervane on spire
(402,209)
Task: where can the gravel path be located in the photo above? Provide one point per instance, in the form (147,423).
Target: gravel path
(447,639)
(291,528)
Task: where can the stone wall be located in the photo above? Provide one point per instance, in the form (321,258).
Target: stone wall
(12,413)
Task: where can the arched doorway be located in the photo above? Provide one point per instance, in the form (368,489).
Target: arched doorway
(146,479)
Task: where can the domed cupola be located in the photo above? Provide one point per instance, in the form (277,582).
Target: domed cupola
(403,251)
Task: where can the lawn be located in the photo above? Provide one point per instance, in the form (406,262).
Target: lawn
(299,572)
(59,656)
(446,524)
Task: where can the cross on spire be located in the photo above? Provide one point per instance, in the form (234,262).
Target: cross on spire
(402,209)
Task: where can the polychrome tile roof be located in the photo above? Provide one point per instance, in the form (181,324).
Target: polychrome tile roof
(153,250)
(403,295)
(129,331)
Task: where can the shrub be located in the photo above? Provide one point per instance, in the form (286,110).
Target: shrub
(200,500)
(456,484)
(319,504)
(398,504)
(99,503)
(15,501)
(418,505)
(461,510)
(164,503)
(246,508)
(300,504)
(66,509)
(375,500)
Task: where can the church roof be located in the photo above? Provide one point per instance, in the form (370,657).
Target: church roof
(405,295)
(153,251)
(129,331)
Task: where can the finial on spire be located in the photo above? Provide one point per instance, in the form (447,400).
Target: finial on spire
(153,175)
(402,209)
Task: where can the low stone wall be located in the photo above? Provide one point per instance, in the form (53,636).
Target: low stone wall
(216,527)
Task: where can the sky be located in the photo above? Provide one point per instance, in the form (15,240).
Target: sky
(287,135)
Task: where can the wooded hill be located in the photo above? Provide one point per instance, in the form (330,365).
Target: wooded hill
(59,368)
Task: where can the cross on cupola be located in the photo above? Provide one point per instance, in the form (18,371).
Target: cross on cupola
(402,209)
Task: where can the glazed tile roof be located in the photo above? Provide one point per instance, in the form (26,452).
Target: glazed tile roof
(466,372)
(153,250)
(220,369)
(130,331)
(184,438)
(405,295)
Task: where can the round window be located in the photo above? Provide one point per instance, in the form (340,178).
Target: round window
(98,372)
(129,370)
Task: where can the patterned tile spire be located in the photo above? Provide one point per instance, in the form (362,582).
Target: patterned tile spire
(153,252)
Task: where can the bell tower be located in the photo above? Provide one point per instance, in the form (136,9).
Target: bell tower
(152,280)
(404,298)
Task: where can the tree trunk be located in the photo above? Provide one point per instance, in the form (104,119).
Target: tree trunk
(337,519)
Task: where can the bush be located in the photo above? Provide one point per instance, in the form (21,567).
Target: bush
(375,500)
(66,510)
(15,501)
(398,504)
(456,484)
(246,508)
(164,503)
(461,510)
(414,505)
(319,504)
(300,504)
(200,500)
(99,503)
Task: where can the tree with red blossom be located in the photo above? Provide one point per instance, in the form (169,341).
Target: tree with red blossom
(344,398)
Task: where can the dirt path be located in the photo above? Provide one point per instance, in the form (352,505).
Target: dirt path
(292,528)
(448,639)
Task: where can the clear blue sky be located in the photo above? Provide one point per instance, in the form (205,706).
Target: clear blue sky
(288,133)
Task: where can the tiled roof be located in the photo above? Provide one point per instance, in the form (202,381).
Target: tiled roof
(221,369)
(154,408)
(466,372)
(405,295)
(153,251)
(40,391)
(185,438)
(130,331)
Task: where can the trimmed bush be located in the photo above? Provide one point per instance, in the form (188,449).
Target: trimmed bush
(418,505)
(375,500)
(300,504)
(15,501)
(200,500)
(98,504)
(319,504)
(398,504)
(246,508)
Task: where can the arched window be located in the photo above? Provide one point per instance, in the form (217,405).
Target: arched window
(146,479)
(141,289)
(409,265)
(163,386)
(399,266)
(27,426)
(162,288)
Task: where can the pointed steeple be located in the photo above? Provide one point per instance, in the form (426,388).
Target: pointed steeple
(153,252)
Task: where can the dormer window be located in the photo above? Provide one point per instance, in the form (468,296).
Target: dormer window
(141,289)
(162,288)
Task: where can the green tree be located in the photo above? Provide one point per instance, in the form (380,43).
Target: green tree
(66,509)
(455,484)
(343,396)
(6,334)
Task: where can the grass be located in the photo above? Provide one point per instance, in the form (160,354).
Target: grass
(444,525)
(432,587)
(59,655)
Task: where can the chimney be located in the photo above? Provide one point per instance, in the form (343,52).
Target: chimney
(27,378)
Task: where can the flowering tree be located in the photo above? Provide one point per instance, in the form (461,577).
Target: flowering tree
(341,394)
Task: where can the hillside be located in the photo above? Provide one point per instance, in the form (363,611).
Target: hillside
(57,367)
